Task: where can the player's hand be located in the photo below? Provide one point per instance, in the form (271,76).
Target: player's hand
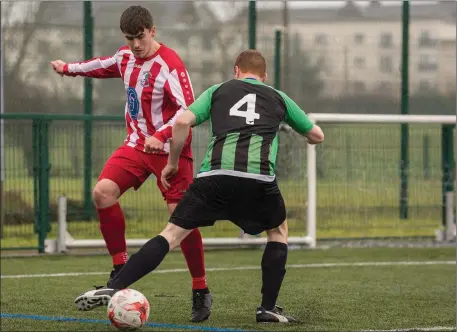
(58,66)
(153,145)
(168,173)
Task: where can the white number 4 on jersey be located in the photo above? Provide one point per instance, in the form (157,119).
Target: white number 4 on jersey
(250,113)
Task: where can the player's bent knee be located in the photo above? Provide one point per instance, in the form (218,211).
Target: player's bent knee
(175,235)
(278,234)
(105,193)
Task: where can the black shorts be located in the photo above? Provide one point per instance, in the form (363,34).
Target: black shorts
(254,206)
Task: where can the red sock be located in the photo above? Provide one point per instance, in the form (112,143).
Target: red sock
(112,226)
(192,248)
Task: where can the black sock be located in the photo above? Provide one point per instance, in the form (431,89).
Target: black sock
(201,291)
(273,271)
(146,260)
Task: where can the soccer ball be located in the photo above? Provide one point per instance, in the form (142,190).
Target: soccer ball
(128,309)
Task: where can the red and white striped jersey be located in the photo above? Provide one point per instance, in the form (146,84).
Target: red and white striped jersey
(157,88)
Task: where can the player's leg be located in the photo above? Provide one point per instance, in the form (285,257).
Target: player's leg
(153,252)
(193,211)
(121,172)
(192,249)
(261,208)
(144,261)
(192,245)
(274,256)
(273,271)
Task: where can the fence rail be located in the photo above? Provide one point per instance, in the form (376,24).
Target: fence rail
(357,179)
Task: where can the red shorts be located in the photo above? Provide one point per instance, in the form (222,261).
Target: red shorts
(129,167)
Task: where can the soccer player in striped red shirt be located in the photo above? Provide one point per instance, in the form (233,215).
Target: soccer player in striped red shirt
(158,89)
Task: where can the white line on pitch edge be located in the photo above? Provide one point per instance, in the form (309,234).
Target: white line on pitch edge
(415,329)
(242,268)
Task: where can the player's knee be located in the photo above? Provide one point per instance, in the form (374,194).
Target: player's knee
(105,193)
(279,234)
(174,235)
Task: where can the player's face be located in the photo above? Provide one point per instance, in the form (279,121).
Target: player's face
(141,43)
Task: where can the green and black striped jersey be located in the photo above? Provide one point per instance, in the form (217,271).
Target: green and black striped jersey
(244,117)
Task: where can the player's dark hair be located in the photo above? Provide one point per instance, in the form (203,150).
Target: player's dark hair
(135,19)
(251,61)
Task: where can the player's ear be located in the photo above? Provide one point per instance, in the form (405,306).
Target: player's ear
(264,78)
(153,31)
(236,71)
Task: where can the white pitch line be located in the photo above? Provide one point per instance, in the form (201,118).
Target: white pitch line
(415,329)
(242,268)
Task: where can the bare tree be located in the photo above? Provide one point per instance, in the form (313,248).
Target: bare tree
(19,30)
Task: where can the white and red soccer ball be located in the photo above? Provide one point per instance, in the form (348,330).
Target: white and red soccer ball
(128,309)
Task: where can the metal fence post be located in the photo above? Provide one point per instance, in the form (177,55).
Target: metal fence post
(277,69)
(88,88)
(36,177)
(404,161)
(252,24)
(44,171)
(447,165)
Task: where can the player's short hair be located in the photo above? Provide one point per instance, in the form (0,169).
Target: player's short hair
(251,61)
(135,19)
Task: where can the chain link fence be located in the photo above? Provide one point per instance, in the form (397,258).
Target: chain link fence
(344,59)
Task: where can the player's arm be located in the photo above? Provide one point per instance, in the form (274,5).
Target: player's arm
(100,67)
(180,134)
(179,89)
(301,123)
(197,113)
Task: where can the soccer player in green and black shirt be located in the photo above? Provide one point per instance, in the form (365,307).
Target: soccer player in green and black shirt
(236,181)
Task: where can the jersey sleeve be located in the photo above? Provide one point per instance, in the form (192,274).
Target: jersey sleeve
(179,90)
(201,107)
(101,67)
(295,116)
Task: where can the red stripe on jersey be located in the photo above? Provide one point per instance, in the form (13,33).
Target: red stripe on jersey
(125,60)
(132,83)
(169,107)
(128,119)
(146,97)
(123,67)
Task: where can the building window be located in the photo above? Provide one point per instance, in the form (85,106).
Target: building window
(425,86)
(323,65)
(183,40)
(194,43)
(385,87)
(359,38)
(385,64)
(207,43)
(386,40)
(320,39)
(359,62)
(358,87)
(320,61)
(427,63)
(426,39)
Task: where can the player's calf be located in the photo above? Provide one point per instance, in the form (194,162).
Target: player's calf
(273,271)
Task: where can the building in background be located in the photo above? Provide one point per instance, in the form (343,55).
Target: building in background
(355,49)
(358,48)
